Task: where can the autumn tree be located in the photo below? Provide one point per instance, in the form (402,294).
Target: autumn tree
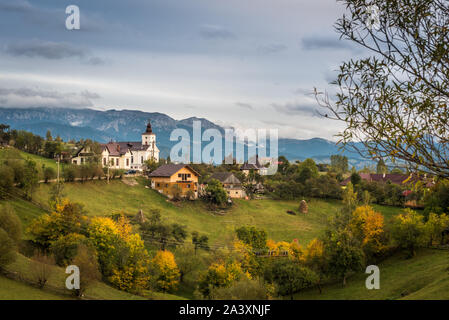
(435,226)
(316,260)
(394,103)
(368,226)
(86,261)
(218,275)
(165,271)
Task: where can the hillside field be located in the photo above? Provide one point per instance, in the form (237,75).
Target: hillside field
(100,198)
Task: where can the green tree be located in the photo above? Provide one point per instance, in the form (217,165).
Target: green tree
(216,193)
(252,236)
(381,167)
(48,136)
(49,174)
(30,178)
(339,163)
(200,241)
(6,181)
(409,231)
(343,253)
(290,277)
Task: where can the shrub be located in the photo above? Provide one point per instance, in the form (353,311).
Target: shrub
(10,222)
(41,268)
(7,249)
(243,289)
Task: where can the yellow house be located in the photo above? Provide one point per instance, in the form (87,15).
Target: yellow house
(171,178)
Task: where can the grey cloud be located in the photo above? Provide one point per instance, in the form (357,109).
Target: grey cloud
(244,105)
(51,50)
(291,108)
(303,91)
(47,50)
(90,95)
(320,42)
(272,48)
(215,32)
(35,97)
(16,6)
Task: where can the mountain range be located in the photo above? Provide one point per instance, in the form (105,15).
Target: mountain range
(127,125)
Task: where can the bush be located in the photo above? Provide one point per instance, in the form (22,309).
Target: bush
(10,222)
(244,289)
(41,268)
(6,181)
(7,249)
(86,261)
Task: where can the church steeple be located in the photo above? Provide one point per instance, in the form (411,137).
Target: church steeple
(149,129)
(148,137)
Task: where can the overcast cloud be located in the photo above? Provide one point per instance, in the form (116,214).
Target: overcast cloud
(237,62)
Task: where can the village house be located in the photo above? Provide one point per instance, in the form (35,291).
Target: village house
(230,183)
(256,167)
(124,155)
(171,178)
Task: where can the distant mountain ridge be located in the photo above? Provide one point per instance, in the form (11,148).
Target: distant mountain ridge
(127,125)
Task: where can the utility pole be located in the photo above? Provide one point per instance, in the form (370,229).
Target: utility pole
(59,156)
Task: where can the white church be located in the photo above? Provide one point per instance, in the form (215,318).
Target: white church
(124,155)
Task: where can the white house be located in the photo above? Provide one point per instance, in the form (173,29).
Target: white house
(125,155)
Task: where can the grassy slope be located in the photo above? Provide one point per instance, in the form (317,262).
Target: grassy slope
(9,153)
(14,290)
(57,279)
(423,277)
(100,198)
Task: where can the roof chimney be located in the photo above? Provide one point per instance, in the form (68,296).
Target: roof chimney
(118,147)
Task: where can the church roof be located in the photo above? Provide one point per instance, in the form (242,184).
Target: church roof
(149,130)
(120,148)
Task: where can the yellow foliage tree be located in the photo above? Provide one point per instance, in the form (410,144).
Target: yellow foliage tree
(368,226)
(166,271)
(220,274)
(435,225)
(316,260)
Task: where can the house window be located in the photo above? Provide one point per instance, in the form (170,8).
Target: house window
(188,186)
(166,185)
(158,184)
(116,162)
(141,159)
(74,162)
(127,162)
(104,161)
(132,159)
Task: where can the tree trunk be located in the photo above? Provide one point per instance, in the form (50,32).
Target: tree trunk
(344,280)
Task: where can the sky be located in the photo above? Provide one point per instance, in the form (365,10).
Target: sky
(239,63)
